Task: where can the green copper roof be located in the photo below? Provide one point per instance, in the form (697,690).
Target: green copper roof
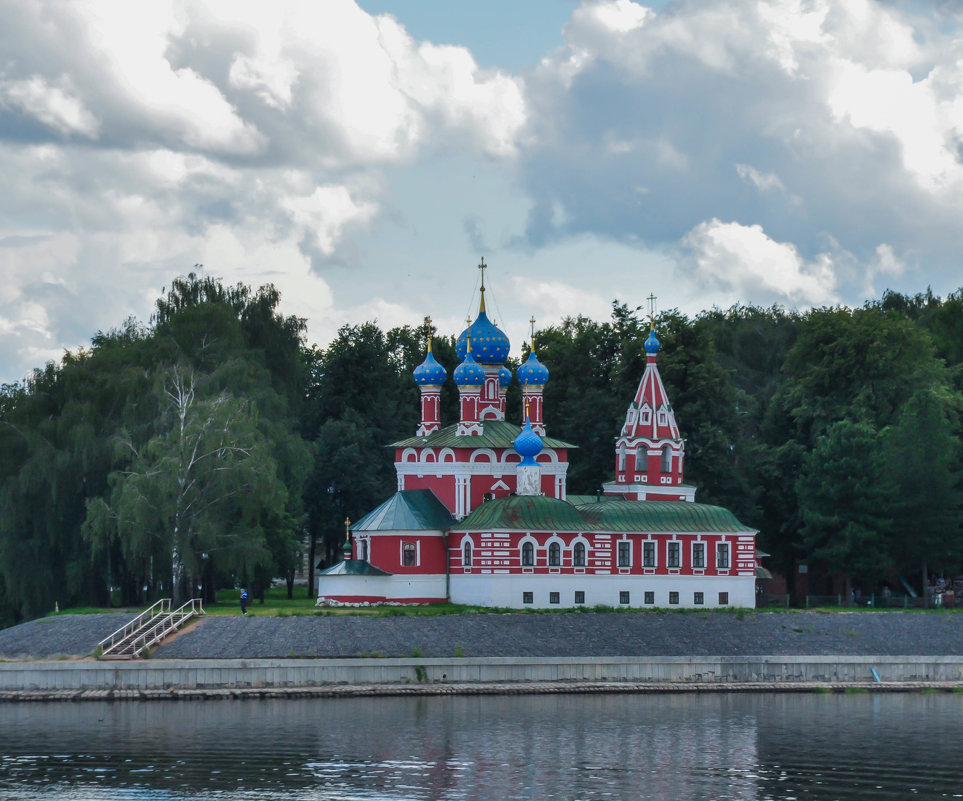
(525,512)
(408,510)
(627,515)
(354,567)
(495,434)
(540,513)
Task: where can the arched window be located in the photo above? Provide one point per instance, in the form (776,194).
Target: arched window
(640,458)
(666,459)
(408,554)
(622,456)
(466,554)
(578,554)
(528,554)
(554,555)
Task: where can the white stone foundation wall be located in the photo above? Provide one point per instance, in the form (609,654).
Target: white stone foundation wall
(395,587)
(505,590)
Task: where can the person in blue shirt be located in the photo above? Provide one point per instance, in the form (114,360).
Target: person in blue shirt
(243,602)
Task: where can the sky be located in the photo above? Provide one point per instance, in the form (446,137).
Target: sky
(363,157)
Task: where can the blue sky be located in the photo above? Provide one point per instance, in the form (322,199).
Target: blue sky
(364,157)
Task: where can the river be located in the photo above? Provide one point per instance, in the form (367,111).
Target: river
(676,747)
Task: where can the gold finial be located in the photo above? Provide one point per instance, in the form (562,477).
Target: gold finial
(531,342)
(526,408)
(467,344)
(481,305)
(428,332)
(651,300)
(347,529)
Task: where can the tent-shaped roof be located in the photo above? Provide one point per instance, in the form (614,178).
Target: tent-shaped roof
(408,510)
(354,567)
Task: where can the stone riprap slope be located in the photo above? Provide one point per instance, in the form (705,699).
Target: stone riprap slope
(58,636)
(585,634)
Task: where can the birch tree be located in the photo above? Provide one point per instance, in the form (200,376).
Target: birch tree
(204,484)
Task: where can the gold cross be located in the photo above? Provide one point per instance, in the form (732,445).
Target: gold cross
(531,342)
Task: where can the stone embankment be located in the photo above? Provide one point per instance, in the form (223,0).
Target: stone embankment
(231,656)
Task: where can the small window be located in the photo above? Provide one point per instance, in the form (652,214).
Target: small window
(625,553)
(666,459)
(673,555)
(623,597)
(649,597)
(646,416)
(723,599)
(466,556)
(621,466)
(553,597)
(528,554)
(698,554)
(408,554)
(640,458)
(673,598)
(698,598)
(364,550)
(578,554)
(722,555)
(648,554)
(580,596)
(554,555)
(528,597)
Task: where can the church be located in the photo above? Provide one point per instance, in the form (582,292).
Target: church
(482,517)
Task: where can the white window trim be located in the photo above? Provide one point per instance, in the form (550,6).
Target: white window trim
(618,562)
(671,566)
(655,548)
(692,550)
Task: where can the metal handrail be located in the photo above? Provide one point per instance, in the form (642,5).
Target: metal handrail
(171,621)
(162,606)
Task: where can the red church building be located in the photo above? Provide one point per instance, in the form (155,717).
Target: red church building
(482,515)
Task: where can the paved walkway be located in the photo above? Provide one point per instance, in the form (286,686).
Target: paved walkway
(555,634)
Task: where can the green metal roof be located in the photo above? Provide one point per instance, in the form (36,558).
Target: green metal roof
(495,434)
(354,567)
(408,510)
(540,513)
(660,516)
(525,512)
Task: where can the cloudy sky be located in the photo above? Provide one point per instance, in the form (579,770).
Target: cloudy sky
(364,156)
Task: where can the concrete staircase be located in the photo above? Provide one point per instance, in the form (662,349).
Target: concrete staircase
(148,629)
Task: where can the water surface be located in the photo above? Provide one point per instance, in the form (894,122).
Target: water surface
(717,746)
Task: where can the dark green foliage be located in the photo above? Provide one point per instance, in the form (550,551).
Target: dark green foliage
(836,432)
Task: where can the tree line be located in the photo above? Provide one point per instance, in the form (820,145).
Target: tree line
(213,447)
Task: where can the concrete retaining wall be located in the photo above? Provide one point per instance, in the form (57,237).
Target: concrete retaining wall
(304,673)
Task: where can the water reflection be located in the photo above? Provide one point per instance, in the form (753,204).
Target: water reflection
(520,747)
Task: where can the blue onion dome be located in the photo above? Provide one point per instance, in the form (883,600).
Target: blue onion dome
(528,444)
(652,344)
(469,373)
(430,372)
(488,342)
(504,377)
(532,373)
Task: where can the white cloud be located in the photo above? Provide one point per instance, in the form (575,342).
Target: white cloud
(324,213)
(554,300)
(54,106)
(742,258)
(763,181)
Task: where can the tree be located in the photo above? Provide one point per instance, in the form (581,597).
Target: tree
(207,465)
(922,461)
(844,502)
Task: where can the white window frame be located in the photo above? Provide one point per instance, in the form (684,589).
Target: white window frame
(668,551)
(655,553)
(618,553)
